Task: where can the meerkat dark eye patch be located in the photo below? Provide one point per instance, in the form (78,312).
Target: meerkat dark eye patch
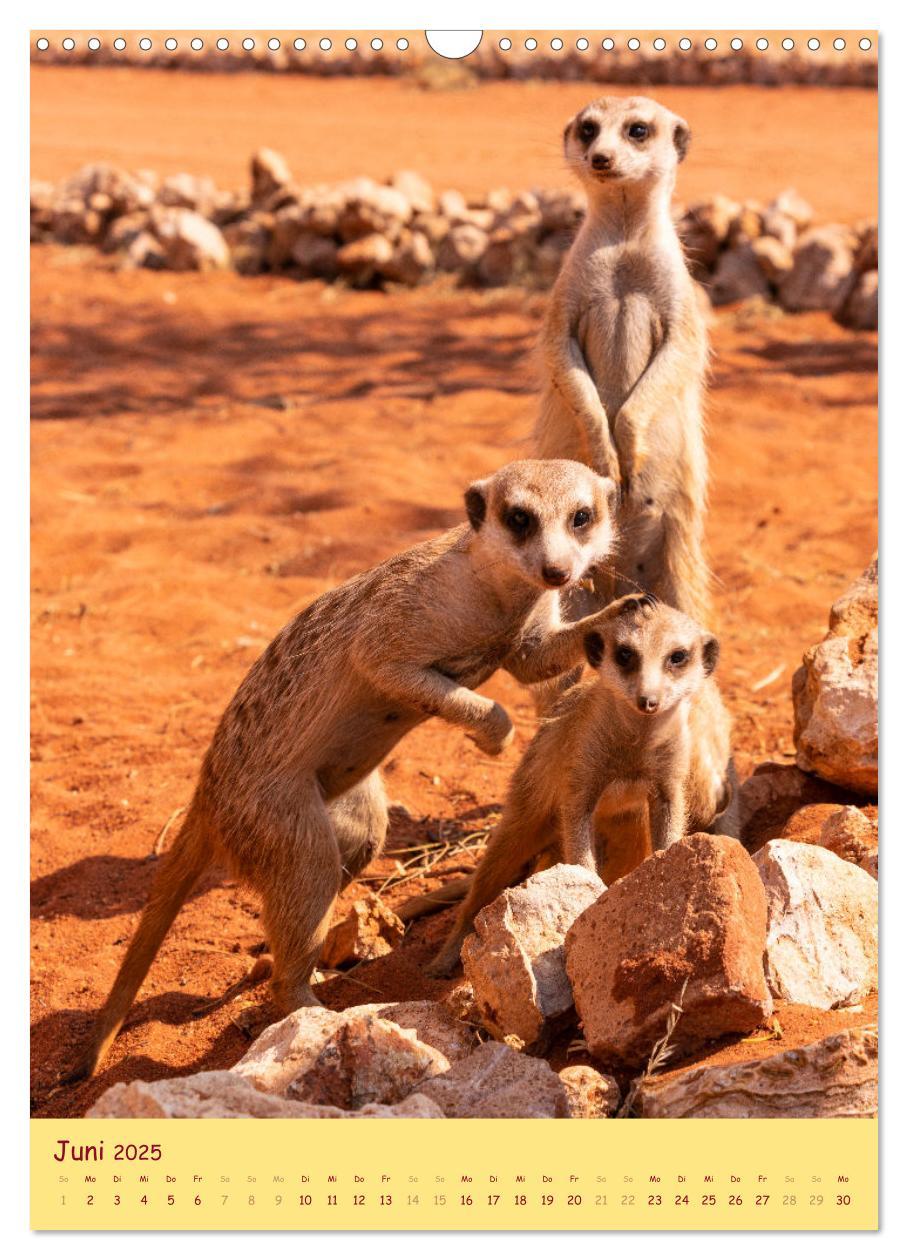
(710,654)
(678,658)
(638,131)
(587,130)
(519,522)
(582,518)
(626,658)
(475,503)
(594,646)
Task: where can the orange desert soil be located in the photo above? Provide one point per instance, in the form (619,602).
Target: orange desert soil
(212,452)
(749,142)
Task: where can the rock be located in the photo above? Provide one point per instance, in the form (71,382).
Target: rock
(126,193)
(499,1083)
(290,1047)
(561,211)
(371,209)
(871,864)
(845,830)
(361,260)
(145,250)
(188,242)
(462,248)
(316,255)
(124,230)
(704,230)
(367,1060)
(417,191)
(781,227)
(412,260)
(694,914)
(249,242)
(514,958)
(269,173)
(867,255)
(773,794)
(835,1077)
(746,226)
(821,945)
(591,1096)
(226,1096)
(191,192)
(369,930)
(821,270)
(849,835)
(835,693)
(773,258)
(738,275)
(860,308)
(793,206)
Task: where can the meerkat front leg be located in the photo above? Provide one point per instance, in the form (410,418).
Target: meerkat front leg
(667,814)
(657,390)
(548,651)
(571,379)
(436,695)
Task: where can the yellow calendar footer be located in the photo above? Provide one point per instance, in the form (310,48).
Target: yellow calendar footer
(453,1174)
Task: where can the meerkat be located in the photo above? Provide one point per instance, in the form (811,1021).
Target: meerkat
(646,741)
(624,348)
(290,796)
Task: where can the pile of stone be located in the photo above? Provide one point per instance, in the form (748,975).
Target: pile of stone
(619,64)
(404,233)
(698,943)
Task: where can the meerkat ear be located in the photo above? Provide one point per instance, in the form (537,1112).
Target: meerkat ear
(612,494)
(475,503)
(710,654)
(594,646)
(567,131)
(682,138)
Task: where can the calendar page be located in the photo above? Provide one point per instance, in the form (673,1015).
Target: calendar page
(454,630)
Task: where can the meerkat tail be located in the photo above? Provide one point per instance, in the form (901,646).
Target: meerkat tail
(187,859)
(688,579)
(430,903)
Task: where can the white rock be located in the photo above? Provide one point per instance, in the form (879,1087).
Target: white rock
(226,1096)
(496,1082)
(837,1076)
(821,944)
(189,242)
(738,275)
(515,957)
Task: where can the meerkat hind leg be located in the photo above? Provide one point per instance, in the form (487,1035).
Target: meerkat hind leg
(360,821)
(298,905)
(512,847)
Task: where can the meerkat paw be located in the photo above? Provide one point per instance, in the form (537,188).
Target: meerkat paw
(642,603)
(495,733)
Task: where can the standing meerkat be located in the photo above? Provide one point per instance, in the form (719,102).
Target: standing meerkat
(646,742)
(625,350)
(290,796)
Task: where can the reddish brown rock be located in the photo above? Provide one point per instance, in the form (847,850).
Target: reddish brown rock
(269,173)
(515,957)
(499,1083)
(591,1096)
(774,794)
(835,1077)
(694,914)
(367,1060)
(369,930)
(845,830)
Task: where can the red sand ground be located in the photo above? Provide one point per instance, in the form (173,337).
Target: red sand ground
(211,452)
(748,141)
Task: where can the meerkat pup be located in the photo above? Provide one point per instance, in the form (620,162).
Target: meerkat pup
(625,350)
(646,740)
(290,796)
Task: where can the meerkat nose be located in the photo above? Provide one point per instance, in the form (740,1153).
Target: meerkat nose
(554,576)
(647,704)
(601,162)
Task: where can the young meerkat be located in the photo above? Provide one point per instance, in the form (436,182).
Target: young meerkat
(645,742)
(625,350)
(290,796)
